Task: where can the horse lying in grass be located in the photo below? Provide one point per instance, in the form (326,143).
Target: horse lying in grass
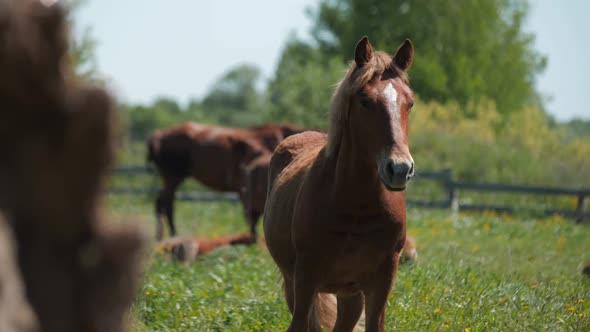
(186,249)
(409,251)
(335,217)
(212,155)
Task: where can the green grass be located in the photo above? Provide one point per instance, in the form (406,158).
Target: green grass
(482,272)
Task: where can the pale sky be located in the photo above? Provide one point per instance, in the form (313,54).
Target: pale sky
(178,48)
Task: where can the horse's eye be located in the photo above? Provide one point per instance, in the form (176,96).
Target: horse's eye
(410,105)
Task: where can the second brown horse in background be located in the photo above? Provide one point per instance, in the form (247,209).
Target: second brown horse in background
(212,155)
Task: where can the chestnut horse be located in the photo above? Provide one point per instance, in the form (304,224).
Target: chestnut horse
(335,219)
(212,155)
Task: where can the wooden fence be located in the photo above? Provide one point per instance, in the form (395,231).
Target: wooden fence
(445,178)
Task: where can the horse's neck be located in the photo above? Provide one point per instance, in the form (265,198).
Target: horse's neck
(356,183)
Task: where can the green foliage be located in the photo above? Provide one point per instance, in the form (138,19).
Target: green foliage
(465,50)
(235,98)
(478,272)
(82,49)
(520,148)
(577,128)
(301,90)
(140,121)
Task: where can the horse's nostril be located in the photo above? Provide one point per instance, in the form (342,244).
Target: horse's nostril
(390,168)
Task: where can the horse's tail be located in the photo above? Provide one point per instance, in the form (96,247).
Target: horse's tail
(153,147)
(151,160)
(325,309)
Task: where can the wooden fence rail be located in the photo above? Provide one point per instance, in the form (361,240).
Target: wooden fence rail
(444,177)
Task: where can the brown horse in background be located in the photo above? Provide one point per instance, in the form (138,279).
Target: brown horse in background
(335,219)
(586,270)
(212,155)
(253,192)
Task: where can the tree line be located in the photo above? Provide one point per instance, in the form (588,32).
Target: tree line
(474,74)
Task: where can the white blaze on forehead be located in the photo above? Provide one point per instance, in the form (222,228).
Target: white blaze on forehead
(401,153)
(391,95)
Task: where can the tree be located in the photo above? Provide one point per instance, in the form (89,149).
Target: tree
(303,84)
(235,99)
(465,50)
(577,127)
(82,49)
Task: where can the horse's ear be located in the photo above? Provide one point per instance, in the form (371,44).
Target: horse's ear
(363,52)
(404,56)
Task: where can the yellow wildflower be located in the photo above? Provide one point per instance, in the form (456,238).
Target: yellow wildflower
(466,329)
(437,310)
(147,293)
(581,315)
(525,307)
(579,301)
(172,292)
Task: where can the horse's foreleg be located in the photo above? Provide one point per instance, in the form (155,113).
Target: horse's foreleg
(166,201)
(170,214)
(159,223)
(250,214)
(304,316)
(376,292)
(253,217)
(349,311)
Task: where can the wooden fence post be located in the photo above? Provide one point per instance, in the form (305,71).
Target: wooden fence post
(580,208)
(453,195)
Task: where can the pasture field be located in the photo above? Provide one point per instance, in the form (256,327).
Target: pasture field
(476,272)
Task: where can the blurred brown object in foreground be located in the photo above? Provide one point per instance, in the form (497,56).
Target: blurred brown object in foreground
(586,270)
(15,312)
(57,137)
(186,249)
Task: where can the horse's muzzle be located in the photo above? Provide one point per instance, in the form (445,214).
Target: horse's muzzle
(395,174)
